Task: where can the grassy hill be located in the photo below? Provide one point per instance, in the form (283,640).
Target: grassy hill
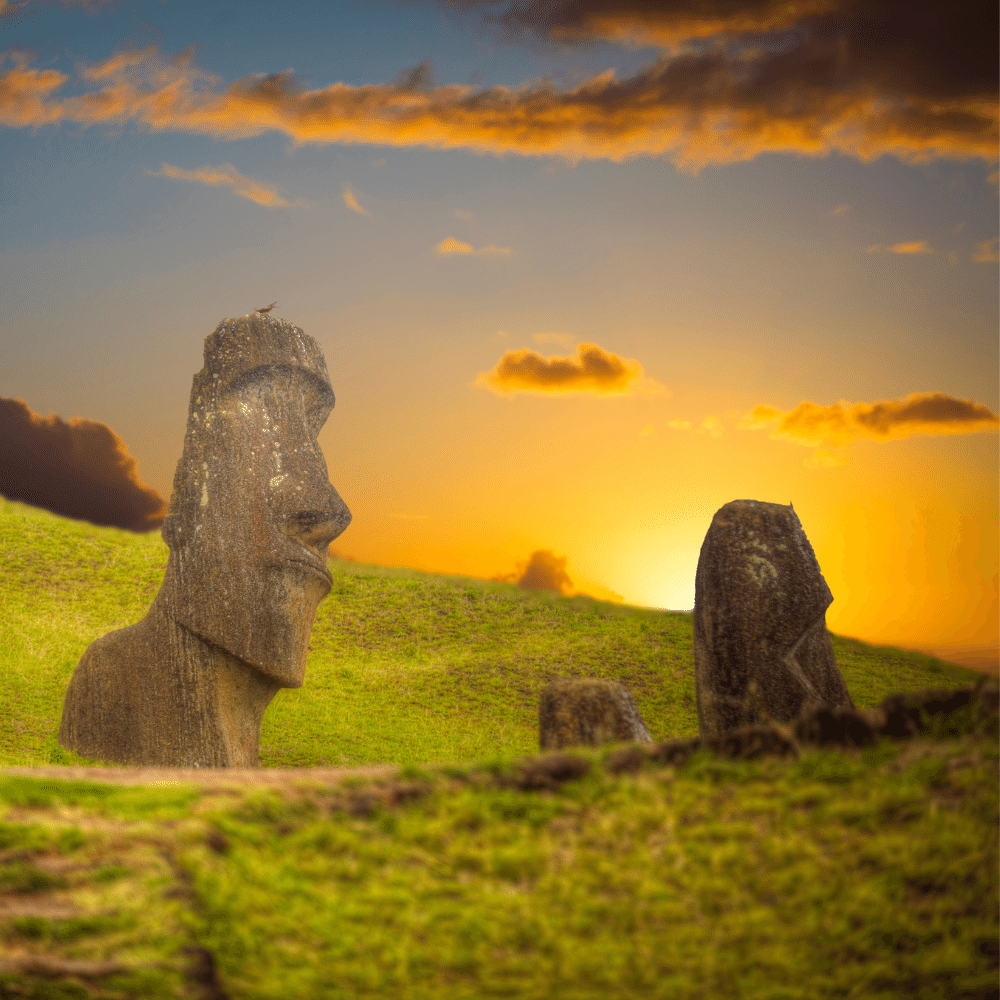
(833,876)
(405,667)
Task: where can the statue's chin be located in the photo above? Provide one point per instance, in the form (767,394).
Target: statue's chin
(269,631)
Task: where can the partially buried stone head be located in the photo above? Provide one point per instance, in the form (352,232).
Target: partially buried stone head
(251,517)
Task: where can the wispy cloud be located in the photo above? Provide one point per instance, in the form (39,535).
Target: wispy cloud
(462,214)
(553,338)
(839,210)
(593,372)
(837,425)
(452,246)
(351,202)
(77,468)
(13,13)
(710,425)
(697,104)
(226,175)
(987,251)
(919,246)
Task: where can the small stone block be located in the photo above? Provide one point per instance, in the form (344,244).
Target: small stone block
(588,712)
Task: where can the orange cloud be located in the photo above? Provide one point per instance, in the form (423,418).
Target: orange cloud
(839,210)
(919,246)
(544,570)
(351,202)
(226,175)
(836,426)
(593,371)
(77,468)
(452,246)
(642,22)
(987,251)
(719,105)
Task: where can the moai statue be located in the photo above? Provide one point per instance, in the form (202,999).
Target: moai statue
(761,648)
(250,520)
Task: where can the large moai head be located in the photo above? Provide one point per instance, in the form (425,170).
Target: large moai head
(252,512)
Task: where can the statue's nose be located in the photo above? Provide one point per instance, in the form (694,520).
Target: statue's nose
(318,523)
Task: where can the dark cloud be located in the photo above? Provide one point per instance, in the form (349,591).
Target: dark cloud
(77,468)
(916,81)
(917,77)
(544,570)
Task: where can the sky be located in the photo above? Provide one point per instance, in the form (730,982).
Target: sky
(583,272)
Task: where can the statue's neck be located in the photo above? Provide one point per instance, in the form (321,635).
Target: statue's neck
(224,698)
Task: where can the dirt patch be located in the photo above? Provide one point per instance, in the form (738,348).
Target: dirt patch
(206,777)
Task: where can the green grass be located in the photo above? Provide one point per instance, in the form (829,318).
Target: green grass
(405,667)
(840,875)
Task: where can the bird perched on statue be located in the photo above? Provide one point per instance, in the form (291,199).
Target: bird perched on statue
(264,309)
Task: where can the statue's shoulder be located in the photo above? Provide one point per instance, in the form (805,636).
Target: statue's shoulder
(114,651)
(105,714)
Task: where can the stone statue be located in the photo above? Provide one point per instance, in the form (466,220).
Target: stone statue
(250,520)
(761,648)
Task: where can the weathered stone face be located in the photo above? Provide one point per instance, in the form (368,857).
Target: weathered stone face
(250,520)
(761,648)
(253,513)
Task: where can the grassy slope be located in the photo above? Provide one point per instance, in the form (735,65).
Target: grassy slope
(870,875)
(858,875)
(406,667)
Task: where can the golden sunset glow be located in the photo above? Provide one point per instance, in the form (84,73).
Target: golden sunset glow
(582,271)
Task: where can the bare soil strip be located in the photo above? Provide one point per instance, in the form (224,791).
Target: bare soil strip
(208,777)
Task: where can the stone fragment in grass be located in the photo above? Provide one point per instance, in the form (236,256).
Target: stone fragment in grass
(549,771)
(675,752)
(761,648)
(751,742)
(249,524)
(969,708)
(841,726)
(588,712)
(744,743)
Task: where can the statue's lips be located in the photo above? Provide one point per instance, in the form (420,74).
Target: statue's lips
(316,567)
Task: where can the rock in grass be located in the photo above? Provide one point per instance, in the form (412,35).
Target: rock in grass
(250,520)
(588,712)
(761,648)
(842,726)
(963,709)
